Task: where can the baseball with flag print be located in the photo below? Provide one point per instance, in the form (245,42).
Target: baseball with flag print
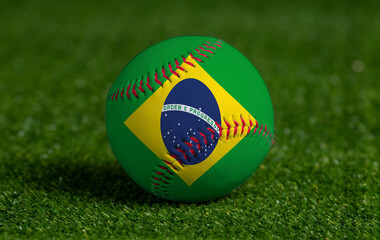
(189,119)
(188,124)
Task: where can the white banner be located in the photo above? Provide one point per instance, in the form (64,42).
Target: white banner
(191,110)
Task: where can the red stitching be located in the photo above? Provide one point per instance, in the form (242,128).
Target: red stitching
(156,78)
(209,46)
(159,179)
(195,58)
(121,93)
(228,128)
(265,129)
(176,158)
(190,145)
(172,71)
(218,45)
(164,74)
(169,163)
(243,126)
(196,141)
(261,130)
(250,126)
(162,174)
(212,132)
(134,91)
(236,127)
(165,168)
(188,63)
(206,50)
(220,129)
(148,84)
(127,92)
(140,87)
(183,153)
(257,125)
(202,54)
(204,137)
(178,66)
(192,151)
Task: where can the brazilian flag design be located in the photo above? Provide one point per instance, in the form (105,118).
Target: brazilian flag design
(198,88)
(189,119)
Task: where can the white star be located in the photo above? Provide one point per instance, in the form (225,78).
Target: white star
(191,129)
(166,114)
(173,141)
(174,137)
(168,133)
(179,124)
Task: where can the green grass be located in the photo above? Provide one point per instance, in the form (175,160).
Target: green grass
(59,178)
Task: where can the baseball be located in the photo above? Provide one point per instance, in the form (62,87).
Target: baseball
(189,119)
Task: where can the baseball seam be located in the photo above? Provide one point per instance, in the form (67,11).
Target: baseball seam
(130,90)
(161,183)
(162,174)
(160,180)
(195,145)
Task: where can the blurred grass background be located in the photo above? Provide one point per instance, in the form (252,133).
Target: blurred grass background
(59,178)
